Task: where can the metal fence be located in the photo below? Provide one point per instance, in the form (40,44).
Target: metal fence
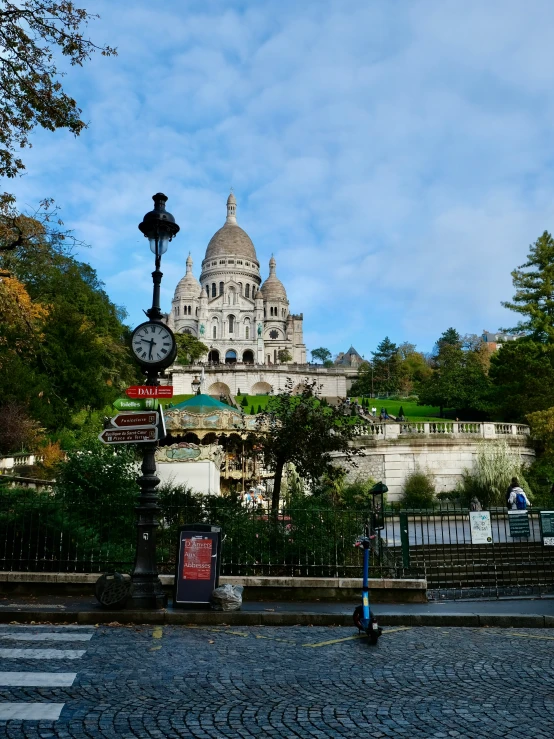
(39,534)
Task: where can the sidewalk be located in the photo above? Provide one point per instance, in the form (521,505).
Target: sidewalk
(506,612)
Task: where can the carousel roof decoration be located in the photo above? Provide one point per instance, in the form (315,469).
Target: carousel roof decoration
(203,414)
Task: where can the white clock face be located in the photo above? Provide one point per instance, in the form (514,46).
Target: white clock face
(152,342)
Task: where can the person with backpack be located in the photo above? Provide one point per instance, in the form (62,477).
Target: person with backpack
(517,499)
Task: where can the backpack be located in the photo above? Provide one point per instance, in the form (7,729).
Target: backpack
(521,503)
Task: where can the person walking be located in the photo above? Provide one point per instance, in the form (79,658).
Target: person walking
(374,411)
(517,500)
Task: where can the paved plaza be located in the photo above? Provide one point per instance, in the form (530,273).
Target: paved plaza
(148,681)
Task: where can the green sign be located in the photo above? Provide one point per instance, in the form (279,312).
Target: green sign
(547,528)
(519,523)
(143,404)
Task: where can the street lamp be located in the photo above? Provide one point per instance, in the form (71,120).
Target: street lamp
(154,346)
(378,505)
(196,386)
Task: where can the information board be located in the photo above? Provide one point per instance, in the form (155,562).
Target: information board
(519,523)
(547,528)
(197,570)
(480,526)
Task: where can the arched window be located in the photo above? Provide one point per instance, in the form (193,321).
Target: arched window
(253,290)
(221,288)
(231,324)
(197,312)
(247,291)
(247,332)
(214,330)
(208,290)
(240,287)
(213,290)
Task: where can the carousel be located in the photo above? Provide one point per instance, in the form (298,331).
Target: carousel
(208,447)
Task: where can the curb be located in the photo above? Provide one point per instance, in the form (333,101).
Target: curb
(245,618)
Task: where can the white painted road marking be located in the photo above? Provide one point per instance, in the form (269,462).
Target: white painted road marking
(42,653)
(47,636)
(37,679)
(30,711)
(44,626)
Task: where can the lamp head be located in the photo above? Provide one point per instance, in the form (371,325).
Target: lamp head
(159,226)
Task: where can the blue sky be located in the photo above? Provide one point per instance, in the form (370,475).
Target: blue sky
(395,156)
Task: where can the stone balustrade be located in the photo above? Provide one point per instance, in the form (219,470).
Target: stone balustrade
(9,462)
(458,429)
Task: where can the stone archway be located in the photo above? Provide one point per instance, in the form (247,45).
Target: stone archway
(260,388)
(219,388)
(213,356)
(299,389)
(230,357)
(248,357)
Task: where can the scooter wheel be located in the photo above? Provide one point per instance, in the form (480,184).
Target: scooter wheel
(374,637)
(357,617)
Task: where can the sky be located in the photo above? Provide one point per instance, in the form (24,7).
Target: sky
(395,156)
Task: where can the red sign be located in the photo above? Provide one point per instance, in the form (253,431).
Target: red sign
(124,420)
(197,562)
(128,436)
(149,391)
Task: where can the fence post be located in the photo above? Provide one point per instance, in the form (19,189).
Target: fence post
(404,539)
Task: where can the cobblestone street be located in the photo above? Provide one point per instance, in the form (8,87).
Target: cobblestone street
(216,682)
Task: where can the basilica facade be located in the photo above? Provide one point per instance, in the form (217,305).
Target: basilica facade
(241,319)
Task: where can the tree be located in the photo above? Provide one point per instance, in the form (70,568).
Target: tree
(385,366)
(522,374)
(458,379)
(298,429)
(252,411)
(189,348)
(284,356)
(244,401)
(413,367)
(542,429)
(78,357)
(18,431)
(32,94)
(322,354)
(534,297)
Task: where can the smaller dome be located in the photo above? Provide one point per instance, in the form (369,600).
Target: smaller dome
(188,286)
(273,288)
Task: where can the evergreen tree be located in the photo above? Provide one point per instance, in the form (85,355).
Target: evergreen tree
(244,401)
(385,366)
(259,409)
(252,411)
(534,297)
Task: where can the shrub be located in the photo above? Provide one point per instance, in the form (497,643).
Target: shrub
(419,490)
(244,401)
(252,411)
(491,477)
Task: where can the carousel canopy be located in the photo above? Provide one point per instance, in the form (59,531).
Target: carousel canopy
(201,404)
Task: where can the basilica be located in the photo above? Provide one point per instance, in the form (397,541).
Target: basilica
(239,318)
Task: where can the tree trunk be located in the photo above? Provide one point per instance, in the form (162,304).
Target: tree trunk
(277,487)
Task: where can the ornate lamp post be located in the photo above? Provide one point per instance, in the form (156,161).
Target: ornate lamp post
(154,347)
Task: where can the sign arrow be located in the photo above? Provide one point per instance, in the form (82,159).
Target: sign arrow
(149,391)
(129,436)
(124,420)
(126,404)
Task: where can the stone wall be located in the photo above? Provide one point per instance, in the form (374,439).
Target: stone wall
(245,377)
(445,456)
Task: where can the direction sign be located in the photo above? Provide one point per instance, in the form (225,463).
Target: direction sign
(126,404)
(149,391)
(124,420)
(128,436)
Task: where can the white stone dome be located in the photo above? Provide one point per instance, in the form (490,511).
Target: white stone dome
(231,240)
(273,288)
(188,286)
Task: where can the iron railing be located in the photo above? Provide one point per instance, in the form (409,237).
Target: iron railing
(39,534)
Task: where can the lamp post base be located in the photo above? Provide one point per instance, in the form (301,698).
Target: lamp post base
(147,593)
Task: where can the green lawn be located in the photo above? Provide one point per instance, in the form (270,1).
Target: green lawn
(412,410)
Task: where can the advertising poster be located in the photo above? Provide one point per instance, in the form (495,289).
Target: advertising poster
(480,525)
(197,564)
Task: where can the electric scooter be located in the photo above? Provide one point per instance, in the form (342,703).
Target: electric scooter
(364,620)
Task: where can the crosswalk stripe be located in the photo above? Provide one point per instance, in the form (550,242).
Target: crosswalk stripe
(42,653)
(37,679)
(30,711)
(47,636)
(65,627)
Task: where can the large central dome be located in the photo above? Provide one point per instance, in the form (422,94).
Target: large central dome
(231,240)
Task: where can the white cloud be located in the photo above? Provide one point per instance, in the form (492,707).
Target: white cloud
(396,157)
